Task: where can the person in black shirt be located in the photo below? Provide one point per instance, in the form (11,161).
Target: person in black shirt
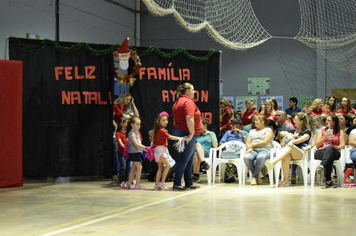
(293,148)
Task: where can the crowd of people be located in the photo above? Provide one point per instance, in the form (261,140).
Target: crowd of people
(328,127)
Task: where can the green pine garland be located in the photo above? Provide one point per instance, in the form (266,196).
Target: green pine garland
(50,43)
(174,53)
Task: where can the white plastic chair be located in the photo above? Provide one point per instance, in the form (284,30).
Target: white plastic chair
(339,165)
(209,160)
(238,161)
(273,152)
(348,154)
(302,163)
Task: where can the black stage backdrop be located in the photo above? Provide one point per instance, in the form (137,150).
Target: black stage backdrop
(154,90)
(67,109)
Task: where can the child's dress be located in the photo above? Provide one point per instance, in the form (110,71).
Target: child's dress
(160,145)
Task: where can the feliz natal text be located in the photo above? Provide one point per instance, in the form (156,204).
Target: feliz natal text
(79,97)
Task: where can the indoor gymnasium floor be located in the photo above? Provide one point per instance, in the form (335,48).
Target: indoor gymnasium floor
(67,206)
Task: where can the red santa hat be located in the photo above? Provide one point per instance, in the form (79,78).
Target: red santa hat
(124,54)
(124,48)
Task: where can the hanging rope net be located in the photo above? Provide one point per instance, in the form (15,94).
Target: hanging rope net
(232,23)
(329,27)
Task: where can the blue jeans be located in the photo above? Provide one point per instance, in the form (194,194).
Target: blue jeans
(353,157)
(185,160)
(125,168)
(260,157)
(115,163)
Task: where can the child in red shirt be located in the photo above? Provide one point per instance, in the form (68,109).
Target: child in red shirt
(122,142)
(160,144)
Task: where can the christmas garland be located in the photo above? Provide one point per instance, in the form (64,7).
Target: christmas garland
(48,42)
(122,79)
(174,53)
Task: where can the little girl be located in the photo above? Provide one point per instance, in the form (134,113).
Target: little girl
(160,144)
(135,149)
(122,142)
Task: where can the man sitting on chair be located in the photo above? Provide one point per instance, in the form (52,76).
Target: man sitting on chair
(236,133)
(205,141)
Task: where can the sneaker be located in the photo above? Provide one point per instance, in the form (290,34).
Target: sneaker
(139,187)
(163,186)
(129,186)
(320,170)
(205,167)
(330,185)
(195,179)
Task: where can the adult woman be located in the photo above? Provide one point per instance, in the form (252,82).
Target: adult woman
(344,122)
(318,123)
(345,107)
(306,104)
(227,115)
(252,125)
(258,147)
(316,107)
(187,122)
(249,112)
(330,105)
(269,111)
(329,142)
(262,108)
(352,143)
(293,148)
(275,104)
(124,103)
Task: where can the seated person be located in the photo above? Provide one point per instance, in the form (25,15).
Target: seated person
(272,125)
(293,101)
(251,126)
(258,146)
(282,122)
(235,134)
(204,142)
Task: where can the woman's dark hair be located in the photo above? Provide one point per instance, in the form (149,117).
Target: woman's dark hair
(327,105)
(347,119)
(348,103)
(272,124)
(336,123)
(275,103)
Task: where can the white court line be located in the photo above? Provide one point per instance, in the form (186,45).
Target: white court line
(124,212)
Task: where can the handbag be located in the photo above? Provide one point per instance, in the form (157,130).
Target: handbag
(232,153)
